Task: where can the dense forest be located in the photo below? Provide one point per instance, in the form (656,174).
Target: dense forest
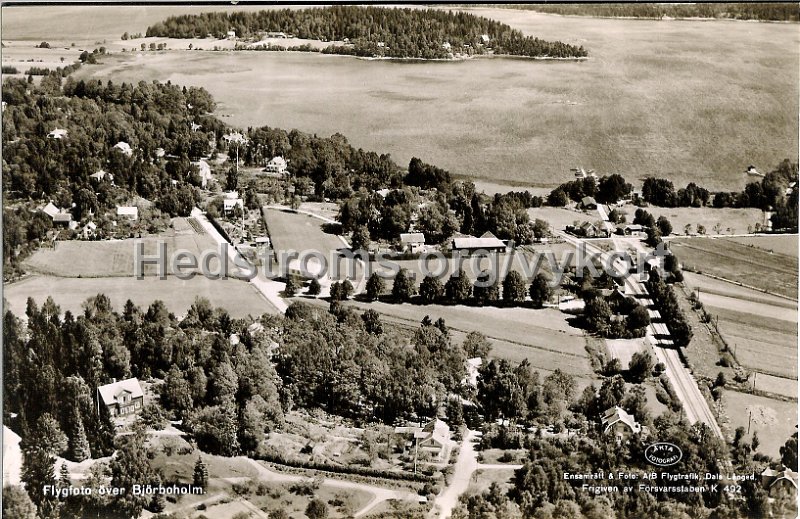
(373,31)
(784,12)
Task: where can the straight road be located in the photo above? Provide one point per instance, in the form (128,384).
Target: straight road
(685,386)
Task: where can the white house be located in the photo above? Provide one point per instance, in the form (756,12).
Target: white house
(277,166)
(129,212)
(473,365)
(125,148)
(99,176)
(122,398)
(205,172)
(58,133)
(617,422)
(433,437)
(231,35)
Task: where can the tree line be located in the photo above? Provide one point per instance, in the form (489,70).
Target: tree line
(372,31)
(767,11)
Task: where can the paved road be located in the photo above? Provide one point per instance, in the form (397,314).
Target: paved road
(694,404)
(466,465)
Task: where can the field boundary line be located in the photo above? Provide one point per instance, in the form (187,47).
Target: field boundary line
(739,283)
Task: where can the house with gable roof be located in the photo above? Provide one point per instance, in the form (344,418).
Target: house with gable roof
(619,423)
(779,482)
(122,397)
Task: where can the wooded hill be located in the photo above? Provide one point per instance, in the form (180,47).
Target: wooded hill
(373,31)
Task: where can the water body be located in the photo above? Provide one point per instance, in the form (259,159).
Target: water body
(688,100)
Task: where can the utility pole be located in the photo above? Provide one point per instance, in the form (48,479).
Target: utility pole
(755,376)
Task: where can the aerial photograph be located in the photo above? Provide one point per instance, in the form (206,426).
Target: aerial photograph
(468,261)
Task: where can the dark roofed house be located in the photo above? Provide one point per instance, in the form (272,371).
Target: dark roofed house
(487,242)
(122,398)
(779,482)
(588,203)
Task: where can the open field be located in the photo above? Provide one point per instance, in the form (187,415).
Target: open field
(731,220)
(760,328)
(785,244)
(760,342)
(774,420)
(238,297)
(650,100)
(724,288)
(90,259)
(775,273)
(290,231)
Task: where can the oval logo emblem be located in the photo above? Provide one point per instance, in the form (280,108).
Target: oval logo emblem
(663,454)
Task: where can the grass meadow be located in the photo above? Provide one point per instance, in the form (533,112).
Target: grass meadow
(239,298)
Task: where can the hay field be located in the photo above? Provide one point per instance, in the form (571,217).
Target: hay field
(774,273)
(731,220)
(785,244)
(239,298)
(760,328)
(685,100)
(90,259)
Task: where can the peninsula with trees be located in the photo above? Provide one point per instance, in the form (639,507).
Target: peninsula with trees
(372,32)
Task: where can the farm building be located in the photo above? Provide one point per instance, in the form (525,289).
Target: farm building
(631,229)
(231,35)
(588,203)
(412,242)
(64,220)
(122,398)
(124,147)
(129,212)
(779,482)
(487,242)
(277,165)
(587,230)
(617,422)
